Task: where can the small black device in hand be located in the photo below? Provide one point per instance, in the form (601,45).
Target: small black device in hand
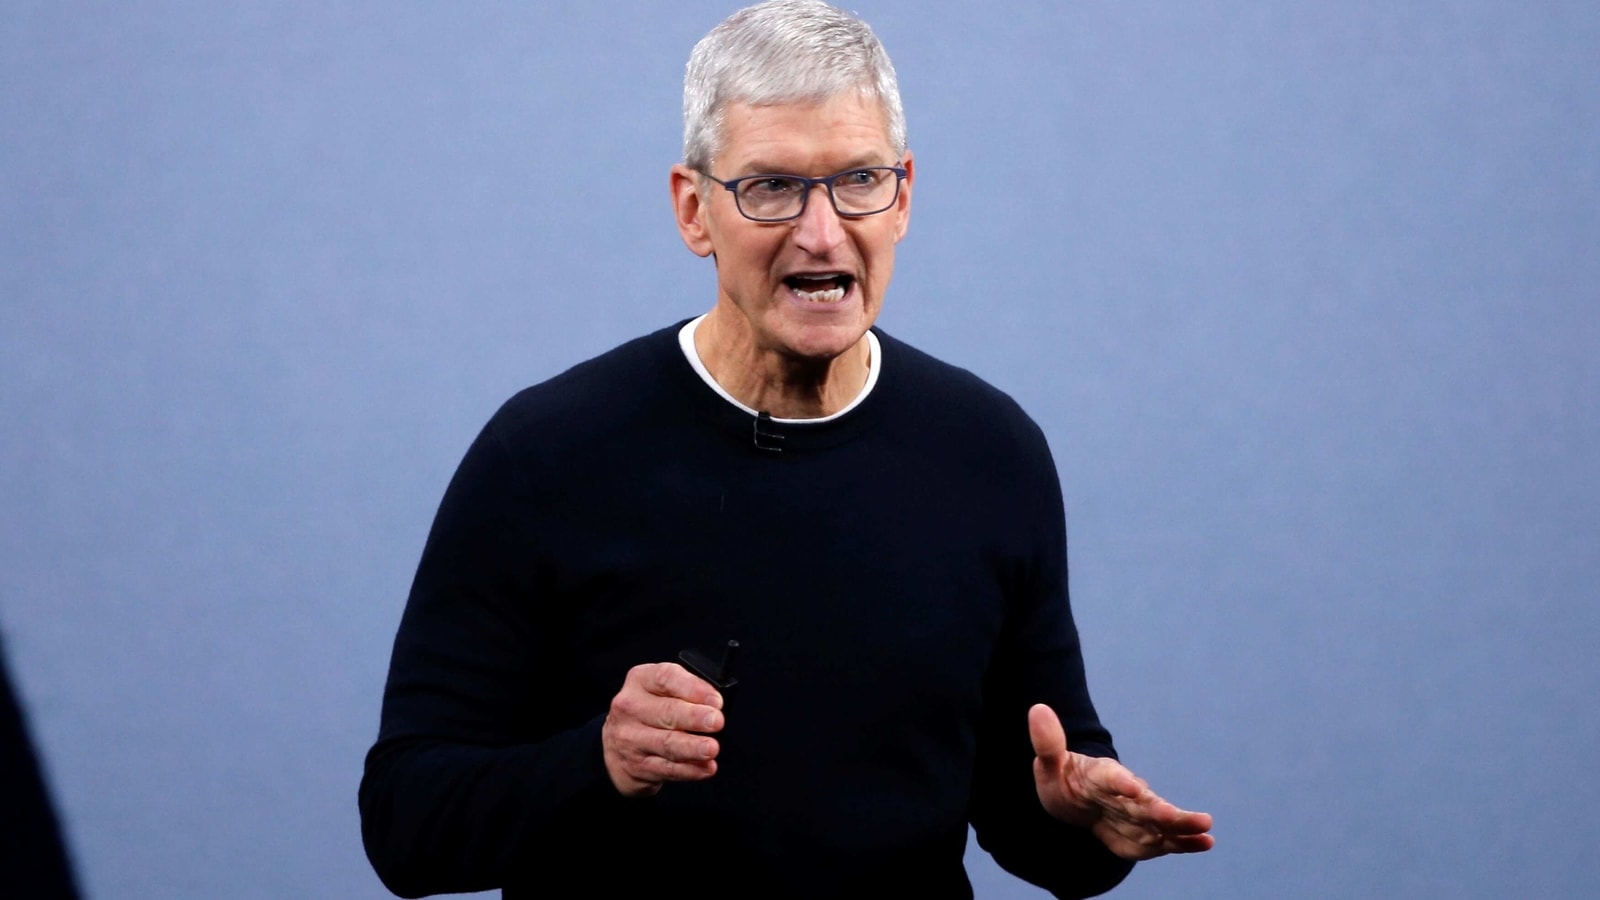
(718,672)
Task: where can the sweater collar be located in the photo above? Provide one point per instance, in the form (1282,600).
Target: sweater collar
(763,434)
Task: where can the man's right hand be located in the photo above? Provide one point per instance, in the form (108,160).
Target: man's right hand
(656,729)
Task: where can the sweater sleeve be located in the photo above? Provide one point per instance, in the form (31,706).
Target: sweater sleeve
(478,755)
(1039,660)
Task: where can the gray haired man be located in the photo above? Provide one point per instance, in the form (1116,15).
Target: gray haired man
(880,534)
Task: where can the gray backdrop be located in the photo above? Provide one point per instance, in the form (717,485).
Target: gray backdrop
(1304,296)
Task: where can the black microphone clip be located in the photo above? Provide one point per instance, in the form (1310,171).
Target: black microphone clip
(764,437)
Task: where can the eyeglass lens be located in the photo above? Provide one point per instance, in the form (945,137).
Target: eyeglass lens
(859,192)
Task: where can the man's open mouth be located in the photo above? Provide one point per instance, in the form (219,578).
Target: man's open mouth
(823,287)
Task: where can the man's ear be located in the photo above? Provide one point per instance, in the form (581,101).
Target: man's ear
(689,207)
(902,207)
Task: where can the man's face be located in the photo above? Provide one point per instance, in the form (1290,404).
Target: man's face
(778,275)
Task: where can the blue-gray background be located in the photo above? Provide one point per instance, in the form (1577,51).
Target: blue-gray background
(1304,296)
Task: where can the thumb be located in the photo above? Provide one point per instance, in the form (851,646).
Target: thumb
(1044,729)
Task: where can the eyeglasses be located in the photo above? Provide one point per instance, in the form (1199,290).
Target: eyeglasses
(779,198)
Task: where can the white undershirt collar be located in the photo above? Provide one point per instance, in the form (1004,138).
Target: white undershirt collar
(874,367)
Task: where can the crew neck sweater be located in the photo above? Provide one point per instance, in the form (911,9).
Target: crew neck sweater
(896,578)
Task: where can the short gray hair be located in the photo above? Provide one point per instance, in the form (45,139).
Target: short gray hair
(783,51)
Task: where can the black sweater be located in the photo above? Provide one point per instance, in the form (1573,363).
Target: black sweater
(896,578)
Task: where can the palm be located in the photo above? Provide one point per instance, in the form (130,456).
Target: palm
(1101,794)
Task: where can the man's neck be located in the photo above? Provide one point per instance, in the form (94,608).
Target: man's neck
(775,383)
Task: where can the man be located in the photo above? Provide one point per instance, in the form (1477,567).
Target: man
(881,533)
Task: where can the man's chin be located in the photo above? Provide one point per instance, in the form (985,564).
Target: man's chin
(822,345)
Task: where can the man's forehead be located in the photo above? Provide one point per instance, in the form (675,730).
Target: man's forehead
(856,103)
(841,132)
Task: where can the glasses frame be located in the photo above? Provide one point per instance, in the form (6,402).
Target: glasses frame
(732,185)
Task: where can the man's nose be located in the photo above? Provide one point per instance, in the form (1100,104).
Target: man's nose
(819,229)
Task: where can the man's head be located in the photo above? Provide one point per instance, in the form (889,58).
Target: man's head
(780,53)
(796,180)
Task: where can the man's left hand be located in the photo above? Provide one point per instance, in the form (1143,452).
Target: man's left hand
(1103,796)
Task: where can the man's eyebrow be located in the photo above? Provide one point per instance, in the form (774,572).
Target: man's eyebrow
(760,167)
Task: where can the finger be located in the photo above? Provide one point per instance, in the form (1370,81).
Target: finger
(677,746)
(673,680)
(676,715)
(1044,729)
(645,771)
(1149,810)
(1131,841)
(1149,846)
(665,714)
(674,756)
(1186,824)
(643,749)
(1192,843)
(1161,825)
(656,770)
(637,738)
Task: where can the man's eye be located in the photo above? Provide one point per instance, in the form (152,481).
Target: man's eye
(859,178)
(770,187)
